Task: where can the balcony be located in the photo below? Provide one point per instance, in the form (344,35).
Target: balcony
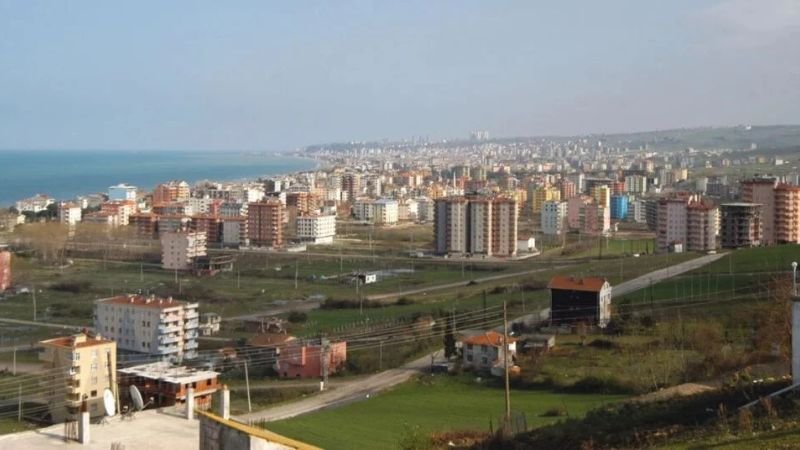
(166,329)
(166,349)
(190,345)
(190,334)
(170,339)
(73,386)
(191,324)
(191,315)
(73,399)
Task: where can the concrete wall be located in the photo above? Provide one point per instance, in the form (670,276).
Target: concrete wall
(217,433)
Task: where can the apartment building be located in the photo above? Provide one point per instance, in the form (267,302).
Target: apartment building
(450,225)
(172,191)
(161,327)
(122,192)
(787,214)
(316,229)
(761,190)
(69,213)
(35,204)
(505,221)
(234,232)
(77,368)
(702,225)
(554,217)
(619,207)
(741,225)
(180,249)
(386,212)
(602,195)
(476,225)
(686,222)
(265,223)
(480,222)
(539,195)
(5,269)
(636,184)
(122,210)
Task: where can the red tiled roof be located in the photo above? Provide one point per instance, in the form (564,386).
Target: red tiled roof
(492,338)
(141,300)
(567,283)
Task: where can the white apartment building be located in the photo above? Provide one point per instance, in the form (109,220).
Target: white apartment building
(554,216)
(424,209)
(636,184)
(122,192)
(638,211)
(69,213)
(316,229)
(179,249)
(160,327)
(233,209)
(364,210)
(386,212)
(234,232)
(480,226)
(34,204)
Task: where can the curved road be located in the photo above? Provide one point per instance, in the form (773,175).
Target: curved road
(353,392)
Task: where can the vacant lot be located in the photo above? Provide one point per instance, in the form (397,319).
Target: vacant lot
(433,404)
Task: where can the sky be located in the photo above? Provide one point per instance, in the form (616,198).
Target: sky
(261,75)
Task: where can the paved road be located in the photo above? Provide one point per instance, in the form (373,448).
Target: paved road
(439,287)
(289,306)
(662,274)
(342,395)
(352,392)
(42,324)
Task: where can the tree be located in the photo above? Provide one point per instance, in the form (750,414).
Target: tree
(449,341)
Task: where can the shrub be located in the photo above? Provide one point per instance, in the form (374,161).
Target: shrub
(297,317)
(75,287)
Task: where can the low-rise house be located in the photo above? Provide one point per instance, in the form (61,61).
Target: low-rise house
(580,300)
(209,324)
(482,352)
(311,359)
(536,343)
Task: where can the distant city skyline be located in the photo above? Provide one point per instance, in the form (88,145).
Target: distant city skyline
(205,75)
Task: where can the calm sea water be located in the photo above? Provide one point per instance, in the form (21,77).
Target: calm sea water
(64,174)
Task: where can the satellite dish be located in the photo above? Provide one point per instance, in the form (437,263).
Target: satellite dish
(109,402)
(138,403)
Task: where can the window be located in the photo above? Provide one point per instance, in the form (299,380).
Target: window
(469,358)
(94,394)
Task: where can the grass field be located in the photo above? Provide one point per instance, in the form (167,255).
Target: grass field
(433,404)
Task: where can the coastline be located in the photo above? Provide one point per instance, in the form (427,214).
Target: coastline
(65,175)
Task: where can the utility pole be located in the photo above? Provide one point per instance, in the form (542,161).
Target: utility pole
(14,363)
(19,403)
(325,346)
(380,357)
(33,292)
(505,364)
(247,384)
(296,268)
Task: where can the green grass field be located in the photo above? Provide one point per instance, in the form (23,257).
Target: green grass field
(433,404)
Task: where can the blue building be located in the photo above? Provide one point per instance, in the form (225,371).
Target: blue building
(619,207)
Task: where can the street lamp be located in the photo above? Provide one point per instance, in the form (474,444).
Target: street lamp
(794,277)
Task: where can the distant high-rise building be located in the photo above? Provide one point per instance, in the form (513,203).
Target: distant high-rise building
(762,191)
(686,221)
(787,214)
(173,191)
(619,207)
(265,223)
(180,249)
(122,192)
(505,221)
(450,225)
(554,217)
(740,225)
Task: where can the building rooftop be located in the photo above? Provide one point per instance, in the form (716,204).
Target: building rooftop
(80,340)
(741,204)
(165,371)
(146,301)
(488,338)
(568,283)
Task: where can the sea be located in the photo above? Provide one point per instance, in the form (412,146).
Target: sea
(65,174)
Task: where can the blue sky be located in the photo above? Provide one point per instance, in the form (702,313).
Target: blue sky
(277,75)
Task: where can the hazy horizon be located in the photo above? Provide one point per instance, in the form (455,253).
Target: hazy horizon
(202,76)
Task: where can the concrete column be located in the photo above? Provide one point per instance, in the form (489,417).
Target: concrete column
(796,339)
(83,428)
(224,405)
(190,403)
